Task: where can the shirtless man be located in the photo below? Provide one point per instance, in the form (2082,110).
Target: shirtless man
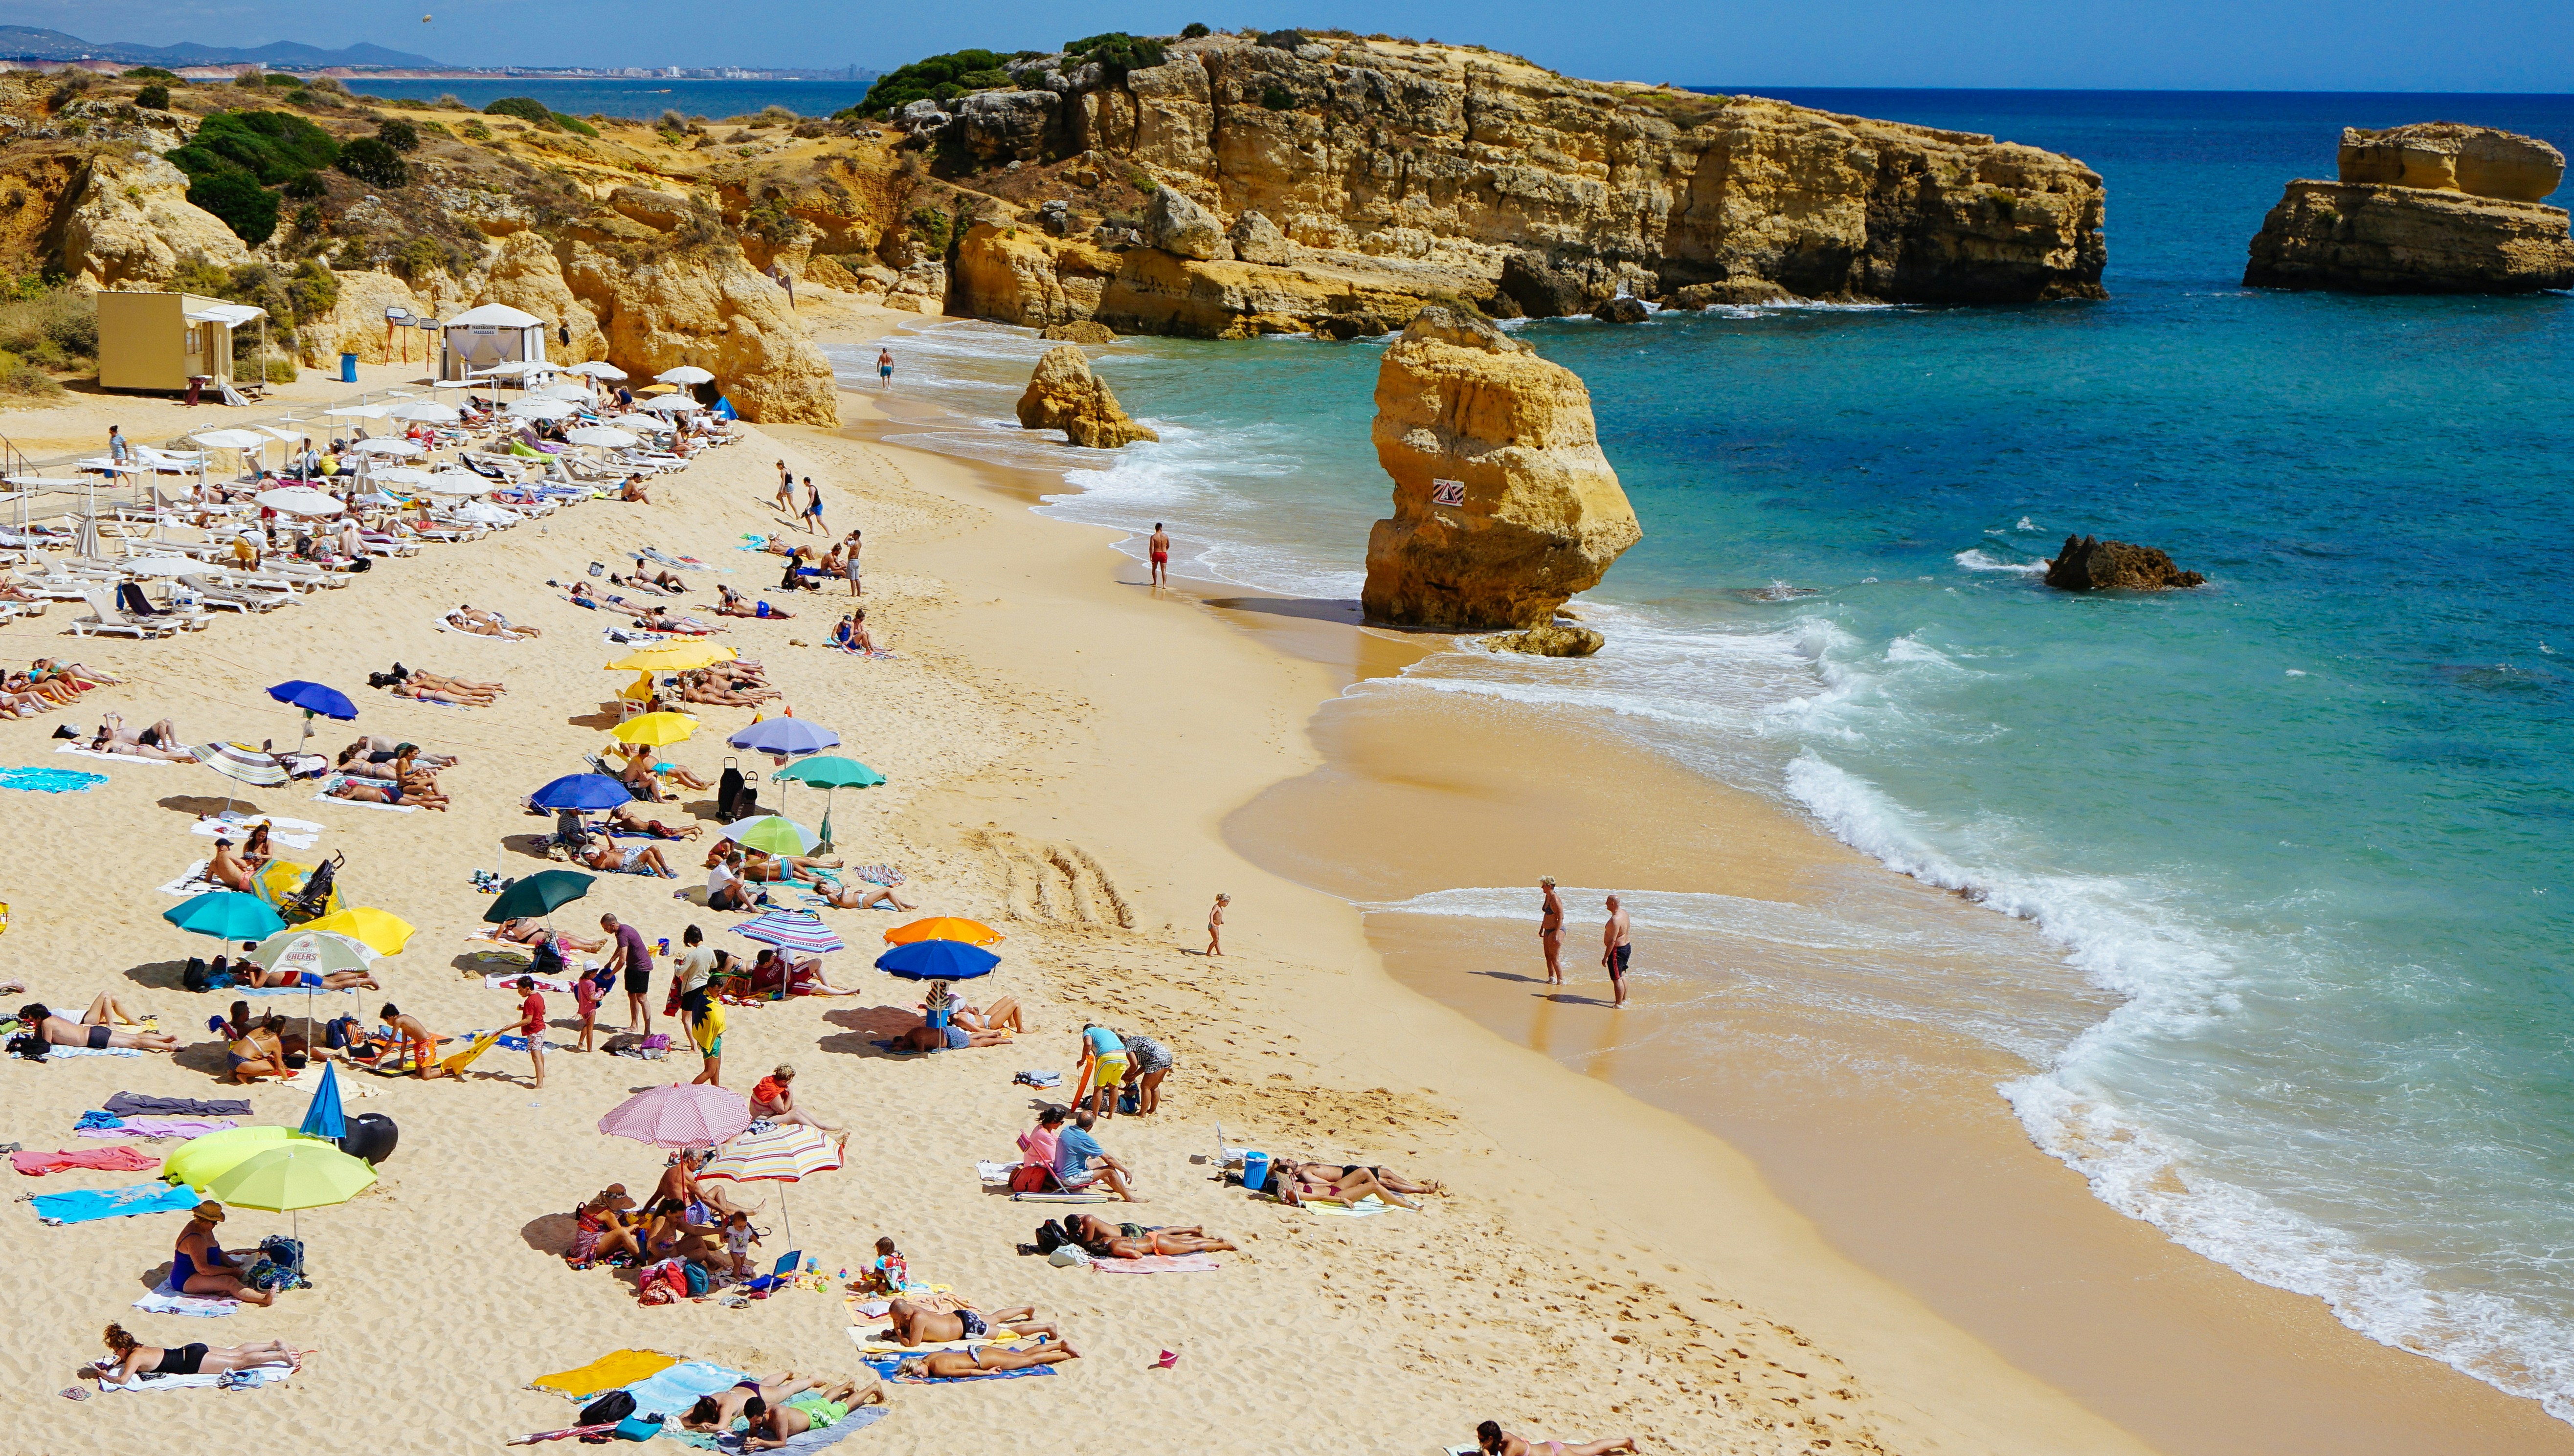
(106,742)
(719,1411)
(1161,548)
(1616,949)
(375,748)
(773,1426)
(917,1324)
(680,1180)
(226,868)
(958,1364)
(102,1025)
(1550,931)
(419,1042)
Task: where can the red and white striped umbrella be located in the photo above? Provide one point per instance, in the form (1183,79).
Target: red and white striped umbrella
(683,1115)
(784,1153)
(791,930)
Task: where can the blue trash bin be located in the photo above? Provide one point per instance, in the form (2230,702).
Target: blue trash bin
(347,368)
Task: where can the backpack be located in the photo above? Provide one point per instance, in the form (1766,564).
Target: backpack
(1050,1237)
(1028,1177)
(699,1280)
(194,977)
(607,1410)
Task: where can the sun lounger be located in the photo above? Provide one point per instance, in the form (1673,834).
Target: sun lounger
(104,617)
(239,599)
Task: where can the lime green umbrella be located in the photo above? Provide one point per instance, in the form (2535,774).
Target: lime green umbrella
(773,833)
(298,1173)
(201,1160)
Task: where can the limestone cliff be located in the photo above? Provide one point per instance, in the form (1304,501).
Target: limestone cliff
(355,323)
(2437,208)
(1064,394)
(525,274)
(1423,171)
(126,221)
(706,308)
(1504,505)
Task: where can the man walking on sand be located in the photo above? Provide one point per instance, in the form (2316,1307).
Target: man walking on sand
(1616,949)
(1550,931)
(785,489)
(1161,548)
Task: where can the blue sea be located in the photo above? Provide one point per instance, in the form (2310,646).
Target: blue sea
(644,97)
(2306,830)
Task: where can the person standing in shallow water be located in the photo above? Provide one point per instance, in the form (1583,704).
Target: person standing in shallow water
(1161,548)
(1550,931)
(1616,949)
(884,368)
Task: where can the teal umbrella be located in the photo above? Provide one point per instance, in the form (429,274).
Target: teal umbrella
(828,773)
(227,915)
(324,1118)
(539,894)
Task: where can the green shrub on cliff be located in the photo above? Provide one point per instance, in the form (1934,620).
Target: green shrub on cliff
(1117,52)
(155,97)
(536,113)
(52,327)
(372,162)
(147,73)
(936,78)
(247,208)
(399,134)
(270,147)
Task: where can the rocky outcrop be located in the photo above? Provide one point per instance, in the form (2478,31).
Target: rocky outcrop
(1064,394)
(1623,309)
(1555,639)
(1021,276)
(1255,239)
(2447,156)
(354,324)
(706,306)
(128,222)
(1736,292)
(525,274)
(1504,505)
(2088,563)
(2437,208)
(1079,332)
(1182,229)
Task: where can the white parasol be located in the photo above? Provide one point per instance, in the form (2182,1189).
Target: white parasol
(598,370)
(685,375)
(541,410)
(673,405)
(387,446)
(300,500)
(427,411)
(602,434)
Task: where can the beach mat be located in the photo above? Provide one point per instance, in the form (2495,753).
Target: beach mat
(1196,1263)
(92,1204)
(607,1372)
(730,1441)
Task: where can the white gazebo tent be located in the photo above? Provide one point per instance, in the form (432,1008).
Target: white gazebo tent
(492,334)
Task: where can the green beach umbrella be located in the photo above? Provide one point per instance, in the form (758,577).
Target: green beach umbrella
(830,773)
(539,894)
(290,1177)
(773,833)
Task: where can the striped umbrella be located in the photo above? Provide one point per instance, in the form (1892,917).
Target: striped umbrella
(791,930)
(244,765)
(683,1115)
(782,1154)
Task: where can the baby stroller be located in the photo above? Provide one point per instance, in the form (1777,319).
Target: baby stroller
(314,900)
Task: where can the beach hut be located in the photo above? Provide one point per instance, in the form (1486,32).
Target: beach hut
(486,337)
(171,341)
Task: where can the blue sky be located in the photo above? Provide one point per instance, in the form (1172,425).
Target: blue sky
(2297,45)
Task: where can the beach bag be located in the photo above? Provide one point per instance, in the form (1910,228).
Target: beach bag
(1069,1256)
(1129,1101)
(698,1279)
(607,1410)
(285,1257)
(638,1428)
(194,977)
(1028,1177)
(1050,1234)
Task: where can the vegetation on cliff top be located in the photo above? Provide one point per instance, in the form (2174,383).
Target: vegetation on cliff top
(529,109)
(934,78)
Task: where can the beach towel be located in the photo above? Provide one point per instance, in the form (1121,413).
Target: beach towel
(166,1300)
(334,780)
(884,875)
(673,1390)
(143,1105)
(1196,1263)
(314,989)
(607,1372)
(216,827)
(120,757)
(994,1175)
(92,1204)
(1038,1080)
(61,1051)
(252,1378)
(509,981)
(884,1365)
(191,884)
(49,780)
(465,1059)
(565,1434)
(1366,1207)
(107,1160)
(847,1425)
(155,1128)
(447,623)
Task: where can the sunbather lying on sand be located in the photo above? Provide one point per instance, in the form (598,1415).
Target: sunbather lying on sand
(648,574)
(958,1364)
(1105,1240)
(765,868)
(519,931)
(860,894)
(80,676)
(331,979)
(359,791)
(425,678)
(630,819)
(694,689)
(735,604)
(1492,1440)
(102,1025)
(950,1038)
(1002,1016)
(106,742)
(134,1359)
(773,1426)
(802,977)
(428,693)
(376,748)
(164,734)
(1293,1182)
(922,1324)
(489,624)
(719,1411)
(642,859)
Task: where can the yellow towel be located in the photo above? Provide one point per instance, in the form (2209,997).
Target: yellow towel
(607,1372)
(465,1059)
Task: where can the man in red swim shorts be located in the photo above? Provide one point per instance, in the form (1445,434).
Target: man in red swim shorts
(1161,555)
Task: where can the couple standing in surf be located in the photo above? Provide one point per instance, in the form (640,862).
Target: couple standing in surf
(1616,947)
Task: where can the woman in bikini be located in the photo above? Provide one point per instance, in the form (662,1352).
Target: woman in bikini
(1344,1183)
(134,1359)
(600,1227)
(1492,1440)
(254,851)
(524,931)
(200,1266)
(631,820)
(981,1360)
(860,894)
(1135,1241)
(423,692)
(260,1051)
(106,742)
(97,1028)
(719,1411)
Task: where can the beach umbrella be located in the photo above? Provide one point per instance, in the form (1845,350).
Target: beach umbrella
(85,542)
(427,411)
(293,1175)
(784,737)
(656,729)
(681,1115)
(300,500)
(389,446)
(227,915)
(533,408)
(791,930)
(945,927)
(560,392)
(671,657)
(200,1161)
(598,370)
(828,772)
(580,791)
(403,475)
(540,894)
(162,566)
(311,954)
(773,833)
(786,1153)
(380,931)
(291,437)
(937,960)
(602,434)
(230,440)
(455,483)
(279,881)
(243,765)
(684,374)
(357,412)
(673,405)
(484,512)
(313,699)
(322,1117)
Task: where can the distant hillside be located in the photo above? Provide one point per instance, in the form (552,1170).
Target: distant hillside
(29,43)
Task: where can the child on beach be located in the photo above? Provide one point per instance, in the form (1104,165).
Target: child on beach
(585,995)
(532,1024)
(888,1271)
(739,1237)
(1215,925)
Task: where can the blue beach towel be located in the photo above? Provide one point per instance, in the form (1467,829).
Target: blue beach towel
(49,780)
(673,1390)
(91,1204)
(854,1421)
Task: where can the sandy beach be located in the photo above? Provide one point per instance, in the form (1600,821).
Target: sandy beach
(1069,755)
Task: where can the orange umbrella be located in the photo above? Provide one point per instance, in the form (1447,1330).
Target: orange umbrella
(945,927)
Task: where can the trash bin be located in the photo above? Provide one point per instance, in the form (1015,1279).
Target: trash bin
(197,385)
(348,368)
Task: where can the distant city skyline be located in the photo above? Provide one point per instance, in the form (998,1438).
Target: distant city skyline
(2288,45)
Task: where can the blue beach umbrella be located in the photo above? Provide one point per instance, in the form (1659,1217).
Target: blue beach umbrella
(315,699)
(784,737)
(324,1118)
(937,960)
(227,915)
(580,791)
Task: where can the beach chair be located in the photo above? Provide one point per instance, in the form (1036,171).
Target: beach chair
(777,1274)
(105,617)
(138,607)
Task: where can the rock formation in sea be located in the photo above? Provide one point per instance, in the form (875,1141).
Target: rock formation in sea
(2088,563)
(2433,208)
(1504,505)
(1555,639)
(1064,394)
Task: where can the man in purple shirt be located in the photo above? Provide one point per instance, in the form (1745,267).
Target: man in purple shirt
(630,954)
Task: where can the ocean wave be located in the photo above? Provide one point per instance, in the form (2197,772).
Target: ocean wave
(1973,559)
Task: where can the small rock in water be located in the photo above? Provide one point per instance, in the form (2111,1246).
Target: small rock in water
(1623,311)
(2088,563)
(1556,640)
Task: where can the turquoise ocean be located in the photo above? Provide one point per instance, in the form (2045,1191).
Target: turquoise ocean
(2305,832)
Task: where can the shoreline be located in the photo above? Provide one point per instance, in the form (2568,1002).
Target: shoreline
(2184,1352)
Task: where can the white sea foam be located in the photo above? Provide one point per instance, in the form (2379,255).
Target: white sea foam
(1974,559)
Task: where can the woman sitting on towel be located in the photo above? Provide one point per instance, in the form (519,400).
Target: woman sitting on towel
(200,1266)
(601,1228)
(99,1027)
(260,1051)
(131,1359)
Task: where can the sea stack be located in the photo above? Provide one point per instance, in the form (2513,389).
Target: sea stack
(2434,208)
(1064,394)
(2088,563)
(1504,507)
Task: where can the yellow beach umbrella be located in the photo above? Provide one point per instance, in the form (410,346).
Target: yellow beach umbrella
(656,729)
(671,657)
(201,1160)
(288,1176)
(380,931)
